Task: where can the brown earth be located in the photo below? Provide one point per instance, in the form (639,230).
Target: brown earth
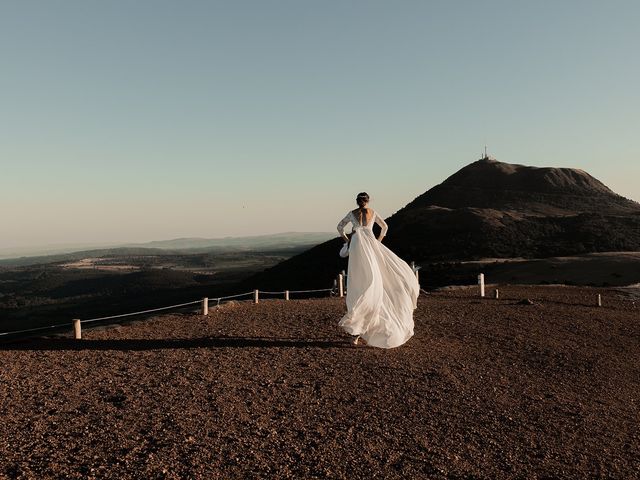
(485,389)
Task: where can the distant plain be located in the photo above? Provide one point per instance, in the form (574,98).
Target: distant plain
(50,290)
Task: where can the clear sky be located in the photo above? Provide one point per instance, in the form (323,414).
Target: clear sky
(141,120)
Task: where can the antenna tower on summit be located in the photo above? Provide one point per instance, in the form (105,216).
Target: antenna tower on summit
(485,152)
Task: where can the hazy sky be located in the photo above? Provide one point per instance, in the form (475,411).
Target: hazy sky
(140,120)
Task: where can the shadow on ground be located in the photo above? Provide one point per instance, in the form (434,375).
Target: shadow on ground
(158,344)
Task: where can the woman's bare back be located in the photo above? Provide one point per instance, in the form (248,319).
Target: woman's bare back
(363,221)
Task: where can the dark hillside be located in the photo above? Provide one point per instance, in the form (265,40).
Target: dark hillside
(489,209)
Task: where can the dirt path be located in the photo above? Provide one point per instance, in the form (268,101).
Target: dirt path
(485,389)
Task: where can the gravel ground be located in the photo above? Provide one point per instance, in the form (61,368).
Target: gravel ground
(485,389)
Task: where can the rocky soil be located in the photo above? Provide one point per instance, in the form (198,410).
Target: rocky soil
(485,389)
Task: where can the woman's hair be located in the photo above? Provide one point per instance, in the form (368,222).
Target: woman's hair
(362,199)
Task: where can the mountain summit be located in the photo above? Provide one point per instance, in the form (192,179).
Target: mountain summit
(488,183)
(489,209)
(496,209)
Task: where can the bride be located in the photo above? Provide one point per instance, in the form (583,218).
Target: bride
(382,290)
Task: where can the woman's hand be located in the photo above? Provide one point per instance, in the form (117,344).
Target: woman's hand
(380,238)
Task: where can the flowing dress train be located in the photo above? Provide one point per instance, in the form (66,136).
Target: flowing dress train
(382,289)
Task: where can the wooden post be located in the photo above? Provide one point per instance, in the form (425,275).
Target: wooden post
(205,306)
(415,270)
(286,294)
(599,300)
(341,285)
(497,294)
(255,296)
(481,283)
(77,329)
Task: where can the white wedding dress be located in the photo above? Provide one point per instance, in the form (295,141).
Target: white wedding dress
(382,289)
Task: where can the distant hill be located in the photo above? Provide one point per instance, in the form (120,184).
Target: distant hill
(262,243)
(256,242)
(489,209)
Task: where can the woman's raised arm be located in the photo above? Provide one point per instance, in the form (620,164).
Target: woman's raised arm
(383,225)
(343,223)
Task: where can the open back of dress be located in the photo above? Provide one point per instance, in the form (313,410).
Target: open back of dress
(382,289)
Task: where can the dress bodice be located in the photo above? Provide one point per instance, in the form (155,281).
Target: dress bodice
(350,217)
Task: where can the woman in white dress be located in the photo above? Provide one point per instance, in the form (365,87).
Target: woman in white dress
(382,289)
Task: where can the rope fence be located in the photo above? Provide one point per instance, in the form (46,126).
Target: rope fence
(218,300)
(337,289)
(48,327)
(318,290)
(234,296)
(141,312)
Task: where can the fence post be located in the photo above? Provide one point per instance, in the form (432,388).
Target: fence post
(205,306)
(481,283)
(599,300)
(340,285)
(286,294)
(77,329)
(415,270)
(255,296)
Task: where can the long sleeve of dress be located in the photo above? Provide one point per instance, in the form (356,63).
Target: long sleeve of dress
(383,225)
(343,223)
